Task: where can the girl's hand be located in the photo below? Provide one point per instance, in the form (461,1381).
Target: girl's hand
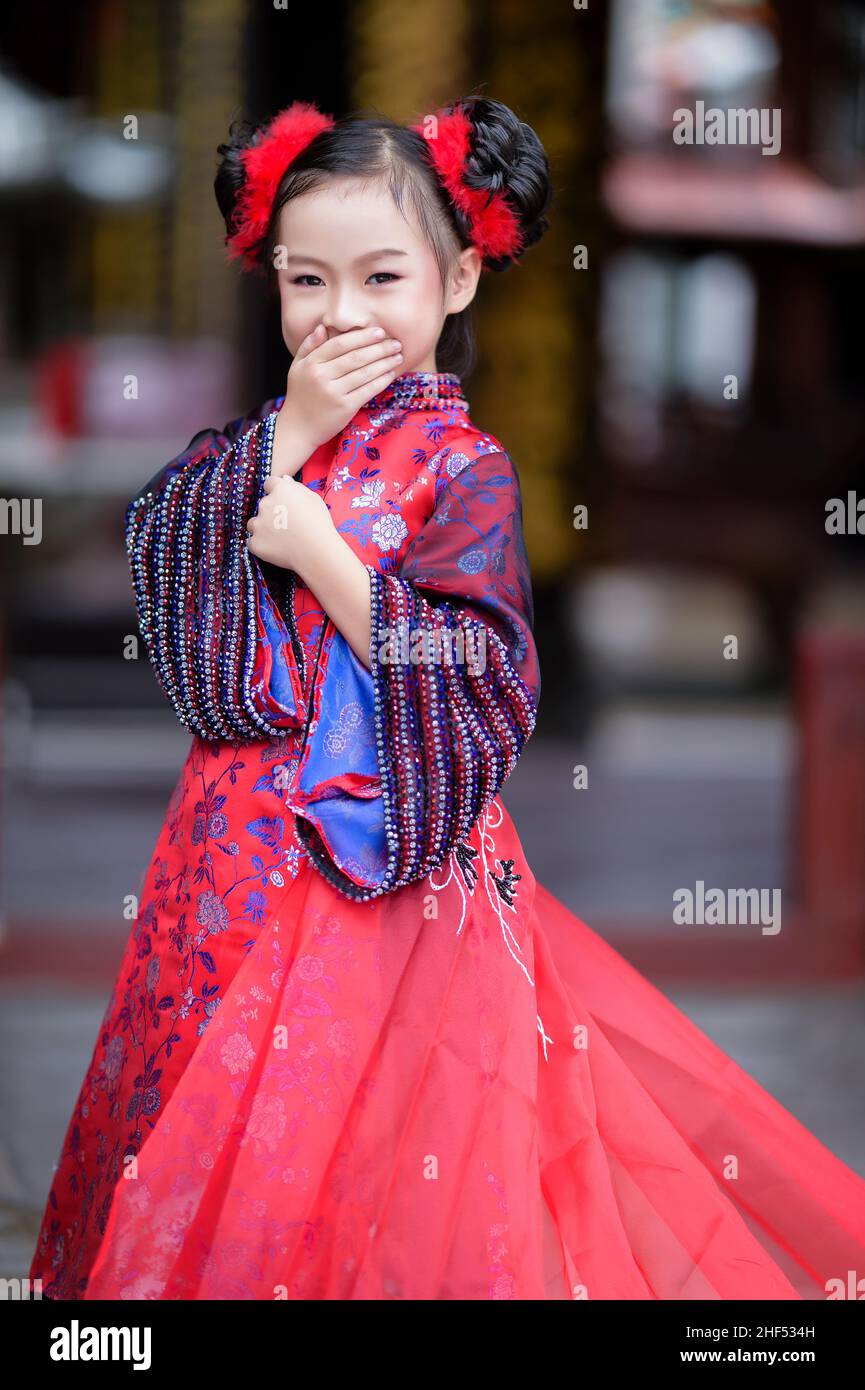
(292,523)
(330,379)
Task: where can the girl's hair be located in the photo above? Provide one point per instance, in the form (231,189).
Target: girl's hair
(506,156)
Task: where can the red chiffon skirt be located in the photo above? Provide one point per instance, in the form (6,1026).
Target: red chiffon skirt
(459,1091)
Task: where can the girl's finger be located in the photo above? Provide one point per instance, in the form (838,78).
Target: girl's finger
(371,358)
(363,377)
(372,388)
(346,342)
(310,342)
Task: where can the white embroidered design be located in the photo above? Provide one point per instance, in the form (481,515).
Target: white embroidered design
(457,869)
(487,821)
(371,490)
(545,1037)
(389,531)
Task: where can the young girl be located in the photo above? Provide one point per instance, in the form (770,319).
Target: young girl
(354,1049)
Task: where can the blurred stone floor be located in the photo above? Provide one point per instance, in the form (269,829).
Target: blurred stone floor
(673,796)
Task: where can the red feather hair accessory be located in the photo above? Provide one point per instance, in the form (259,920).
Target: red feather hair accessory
(265,163)
(495,230)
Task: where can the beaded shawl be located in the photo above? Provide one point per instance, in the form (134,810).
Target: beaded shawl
(387,768)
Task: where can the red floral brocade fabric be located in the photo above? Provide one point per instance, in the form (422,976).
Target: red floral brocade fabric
(354,1049)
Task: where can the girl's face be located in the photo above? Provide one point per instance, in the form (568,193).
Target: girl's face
(347,258)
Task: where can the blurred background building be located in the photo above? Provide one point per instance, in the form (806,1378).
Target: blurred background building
(680,356)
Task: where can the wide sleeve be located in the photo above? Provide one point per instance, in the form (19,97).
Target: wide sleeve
(403,758)
(214,634)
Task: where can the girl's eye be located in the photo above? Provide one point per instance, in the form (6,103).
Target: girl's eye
(385,273)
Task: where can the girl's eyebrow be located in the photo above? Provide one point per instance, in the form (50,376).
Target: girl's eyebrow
(369,256)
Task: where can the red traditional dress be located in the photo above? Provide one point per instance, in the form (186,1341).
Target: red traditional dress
(354,1049)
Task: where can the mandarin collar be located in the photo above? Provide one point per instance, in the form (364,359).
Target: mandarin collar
(420,391)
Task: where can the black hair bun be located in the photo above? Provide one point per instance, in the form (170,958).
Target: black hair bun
(230,174)
(507,157)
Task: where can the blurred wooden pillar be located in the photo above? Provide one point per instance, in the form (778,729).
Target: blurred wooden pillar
(207,97)
(539,329)
(162,268)
(409,58)
(122,252)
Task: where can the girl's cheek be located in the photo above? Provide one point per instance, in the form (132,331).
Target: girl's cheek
(399,321)
(295,328)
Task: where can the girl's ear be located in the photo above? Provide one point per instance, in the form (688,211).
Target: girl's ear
(464,280)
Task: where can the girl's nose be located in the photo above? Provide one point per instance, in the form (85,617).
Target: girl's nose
(342,318)
(343,325)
